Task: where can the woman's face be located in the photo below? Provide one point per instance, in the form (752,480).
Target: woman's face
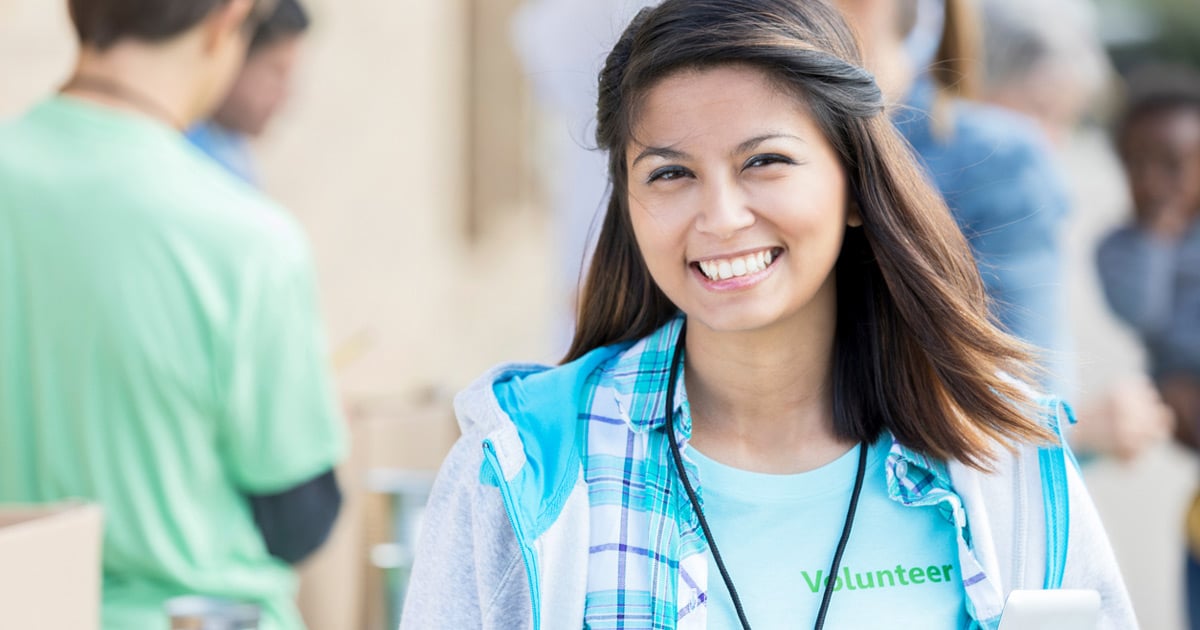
(738,202)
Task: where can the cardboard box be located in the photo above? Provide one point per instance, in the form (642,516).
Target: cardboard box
(50,566)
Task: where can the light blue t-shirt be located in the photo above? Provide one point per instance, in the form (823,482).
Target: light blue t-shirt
(230,149)
(777,535)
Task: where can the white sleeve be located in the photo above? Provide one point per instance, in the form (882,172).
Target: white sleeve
(468,571)
(1091,562)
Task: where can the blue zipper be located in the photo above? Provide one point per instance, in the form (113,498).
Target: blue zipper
(527,553)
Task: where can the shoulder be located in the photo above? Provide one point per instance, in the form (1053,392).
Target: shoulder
(248,242)
(156,195)
(960,128)
(546,404)
(1005,148)
(1011,459)
(1121,238)
(520,431)
(243,217)
(980,126)
(985,150)
(536,399)
(1002,142)
(12,131)
(525,413)
(1189,254)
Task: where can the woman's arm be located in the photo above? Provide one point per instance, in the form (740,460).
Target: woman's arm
(1091,563)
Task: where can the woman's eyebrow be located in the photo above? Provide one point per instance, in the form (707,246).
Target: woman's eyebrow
(666,153)
(750,144)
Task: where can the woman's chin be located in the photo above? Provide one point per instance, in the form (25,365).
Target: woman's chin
(734,320)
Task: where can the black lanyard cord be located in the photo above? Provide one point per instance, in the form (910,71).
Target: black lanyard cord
(841,548)
(130,96)
(676,359)
(669,405)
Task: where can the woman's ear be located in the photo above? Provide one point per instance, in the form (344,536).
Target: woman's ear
(853,215)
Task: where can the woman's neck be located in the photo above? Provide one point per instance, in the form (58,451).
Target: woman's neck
(763,400)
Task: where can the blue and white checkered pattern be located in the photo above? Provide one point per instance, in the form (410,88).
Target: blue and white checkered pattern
(648,560)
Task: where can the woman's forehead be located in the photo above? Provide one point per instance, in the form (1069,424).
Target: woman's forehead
(721,102)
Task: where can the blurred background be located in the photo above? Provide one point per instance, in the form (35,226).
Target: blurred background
(436,152)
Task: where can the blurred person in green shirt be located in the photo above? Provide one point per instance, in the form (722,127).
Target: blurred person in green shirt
(162,351)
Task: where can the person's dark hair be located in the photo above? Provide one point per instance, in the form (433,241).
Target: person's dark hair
(915,351)
(1156,89)
(102,23)
(289,19)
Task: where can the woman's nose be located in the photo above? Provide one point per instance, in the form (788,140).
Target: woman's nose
(724,210)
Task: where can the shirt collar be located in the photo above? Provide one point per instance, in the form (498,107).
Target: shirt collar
(639,379)
(913,478)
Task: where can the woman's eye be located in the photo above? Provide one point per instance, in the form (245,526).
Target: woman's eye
(667,173)
(766,160)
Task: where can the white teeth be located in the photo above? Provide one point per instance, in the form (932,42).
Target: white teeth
(736,267)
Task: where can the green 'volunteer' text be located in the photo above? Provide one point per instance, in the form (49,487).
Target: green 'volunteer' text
(886,578)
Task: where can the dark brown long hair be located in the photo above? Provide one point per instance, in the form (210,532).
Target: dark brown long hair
(915,350)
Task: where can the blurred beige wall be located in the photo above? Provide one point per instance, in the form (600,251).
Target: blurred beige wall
(437,271)
(36,51)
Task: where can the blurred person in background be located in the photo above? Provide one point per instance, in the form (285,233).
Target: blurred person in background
(1045,60)
(993,167)
(260,90)
(999,174)
(1151,267)
(159,334)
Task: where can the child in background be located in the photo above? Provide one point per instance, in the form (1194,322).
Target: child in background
(1151,268)
(259,92)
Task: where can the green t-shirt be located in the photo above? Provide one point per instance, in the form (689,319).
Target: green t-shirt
(161,352)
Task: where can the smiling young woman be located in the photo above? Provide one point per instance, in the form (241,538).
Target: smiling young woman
(728,172)
(783,383)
